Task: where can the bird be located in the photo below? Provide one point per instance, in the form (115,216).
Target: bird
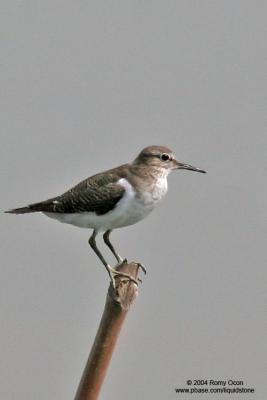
(114,199)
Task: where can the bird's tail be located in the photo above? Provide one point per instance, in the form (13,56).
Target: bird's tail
(22,210)
(43,206)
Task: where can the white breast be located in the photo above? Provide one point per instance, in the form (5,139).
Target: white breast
(160,188)
(131,207)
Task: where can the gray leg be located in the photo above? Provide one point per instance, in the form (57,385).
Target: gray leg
(111,271)
(110,246)
(92,243)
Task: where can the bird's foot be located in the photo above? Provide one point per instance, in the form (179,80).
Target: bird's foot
(113,273)
(125,261)
(122,261)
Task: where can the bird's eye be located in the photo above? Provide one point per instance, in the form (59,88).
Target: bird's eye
(165,157)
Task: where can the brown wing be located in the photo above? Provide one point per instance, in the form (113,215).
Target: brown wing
(99,193)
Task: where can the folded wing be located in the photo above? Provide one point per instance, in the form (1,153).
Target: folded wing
(98,194)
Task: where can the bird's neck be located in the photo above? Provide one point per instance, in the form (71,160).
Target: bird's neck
(148,177)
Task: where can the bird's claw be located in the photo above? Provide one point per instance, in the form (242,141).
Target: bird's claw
(122,274)
(142,267)
(113,273)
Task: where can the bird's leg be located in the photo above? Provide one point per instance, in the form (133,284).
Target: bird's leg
(110,246)
(118,257)
(111,271)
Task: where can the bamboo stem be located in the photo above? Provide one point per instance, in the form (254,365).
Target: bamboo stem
(117,305)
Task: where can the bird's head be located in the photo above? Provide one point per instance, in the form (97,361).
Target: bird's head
(162,158)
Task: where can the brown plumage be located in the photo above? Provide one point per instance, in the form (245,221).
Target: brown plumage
(99,193)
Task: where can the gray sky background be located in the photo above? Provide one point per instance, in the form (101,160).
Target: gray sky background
(85,85)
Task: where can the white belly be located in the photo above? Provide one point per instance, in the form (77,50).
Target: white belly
(129,210)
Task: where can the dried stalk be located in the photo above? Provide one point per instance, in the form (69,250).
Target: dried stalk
(117,305)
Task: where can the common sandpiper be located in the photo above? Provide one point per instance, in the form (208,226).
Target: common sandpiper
(113,199)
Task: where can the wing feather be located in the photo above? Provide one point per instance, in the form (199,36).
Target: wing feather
(99,193)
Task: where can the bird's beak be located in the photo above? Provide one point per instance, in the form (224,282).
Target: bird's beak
(181,165)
